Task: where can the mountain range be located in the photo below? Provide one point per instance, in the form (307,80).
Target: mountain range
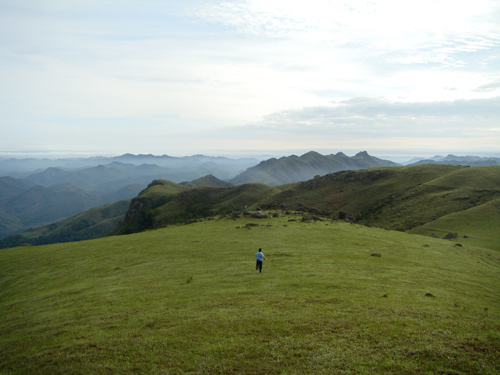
(187,167)
(70,186)
(427,199)
(67,187)
(43,198)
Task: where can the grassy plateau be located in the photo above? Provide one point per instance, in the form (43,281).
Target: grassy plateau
(333,298)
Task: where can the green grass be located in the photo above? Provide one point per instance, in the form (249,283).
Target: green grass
(187,300)
(472,178)
(162,187)
(476,226)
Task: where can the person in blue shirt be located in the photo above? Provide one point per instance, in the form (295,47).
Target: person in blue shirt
(260,259)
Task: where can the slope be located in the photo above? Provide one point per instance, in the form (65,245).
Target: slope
(398,198)
(155,207)
(9,189)
(140,214)
(395,198)
(477,226)
(39,204)
(186,299)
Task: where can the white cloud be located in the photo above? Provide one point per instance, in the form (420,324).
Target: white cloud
(425,33)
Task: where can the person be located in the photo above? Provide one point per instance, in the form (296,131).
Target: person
(260,259)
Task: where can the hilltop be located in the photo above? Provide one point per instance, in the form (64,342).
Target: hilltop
(208,180)
(333,297)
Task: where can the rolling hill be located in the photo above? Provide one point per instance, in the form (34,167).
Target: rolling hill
(424,199)
(396,198)
(334,296)
(427,199)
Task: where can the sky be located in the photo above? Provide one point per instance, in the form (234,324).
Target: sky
(250,77)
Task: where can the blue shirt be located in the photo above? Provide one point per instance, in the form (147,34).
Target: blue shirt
(259,256)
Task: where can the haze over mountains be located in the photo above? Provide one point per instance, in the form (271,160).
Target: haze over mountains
(471,161)
(31,196)
(69,187)
(176,168)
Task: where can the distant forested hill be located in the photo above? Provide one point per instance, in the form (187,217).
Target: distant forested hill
(91,223)
(94,223)
(36,192)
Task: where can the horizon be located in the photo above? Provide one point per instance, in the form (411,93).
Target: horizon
(247,76)
(397,158)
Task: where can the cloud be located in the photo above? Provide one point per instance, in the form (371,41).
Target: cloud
(493,85)
(383,117)
(424,31)
(374,124)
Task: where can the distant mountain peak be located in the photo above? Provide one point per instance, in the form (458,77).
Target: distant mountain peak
(361,154)
(312,153)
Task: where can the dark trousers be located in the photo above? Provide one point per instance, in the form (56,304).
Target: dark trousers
(258,266)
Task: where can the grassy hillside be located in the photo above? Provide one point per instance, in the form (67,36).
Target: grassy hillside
(396,198)
(361,193)
(401,198)
(187,299)
(208,180)
(478,225)
(156,207)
